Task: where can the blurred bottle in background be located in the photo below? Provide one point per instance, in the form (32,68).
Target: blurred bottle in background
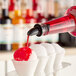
(23,7)
(11,8)
(64,5)
(56,5)
(30,19)
(0,22)
(18,23)
(6,28)
(0,10)
(40,12)
(51,10)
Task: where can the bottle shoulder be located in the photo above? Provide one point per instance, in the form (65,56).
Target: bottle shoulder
(6,20)
(17,20)
(6,17)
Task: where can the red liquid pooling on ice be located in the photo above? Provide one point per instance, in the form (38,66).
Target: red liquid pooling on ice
(23,54)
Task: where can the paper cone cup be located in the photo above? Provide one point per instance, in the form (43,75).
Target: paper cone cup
(58,73)
(50,64)
(41,66)
(58,62)
(25,68)
(50,74)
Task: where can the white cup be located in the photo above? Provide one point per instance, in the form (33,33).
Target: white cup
(41,66)
(51,53)
(60,52)
(25,68)
(58,62)
(49,66)
(43,58)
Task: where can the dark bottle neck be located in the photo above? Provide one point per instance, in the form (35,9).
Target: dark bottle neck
(4,12)
(5,17)
(0,21)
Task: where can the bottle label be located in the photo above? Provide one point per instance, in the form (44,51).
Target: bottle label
(20,33)
(7,34)
(1,33)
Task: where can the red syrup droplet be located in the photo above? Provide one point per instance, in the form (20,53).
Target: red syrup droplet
(23,54)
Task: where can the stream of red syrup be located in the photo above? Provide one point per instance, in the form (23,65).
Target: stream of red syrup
(27,44)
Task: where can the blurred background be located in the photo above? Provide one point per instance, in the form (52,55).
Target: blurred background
(18,16)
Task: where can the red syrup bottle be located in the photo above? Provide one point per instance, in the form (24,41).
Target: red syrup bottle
(60,25)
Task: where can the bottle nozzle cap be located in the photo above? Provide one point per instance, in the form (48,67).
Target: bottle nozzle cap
(37,30)
(32,31)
